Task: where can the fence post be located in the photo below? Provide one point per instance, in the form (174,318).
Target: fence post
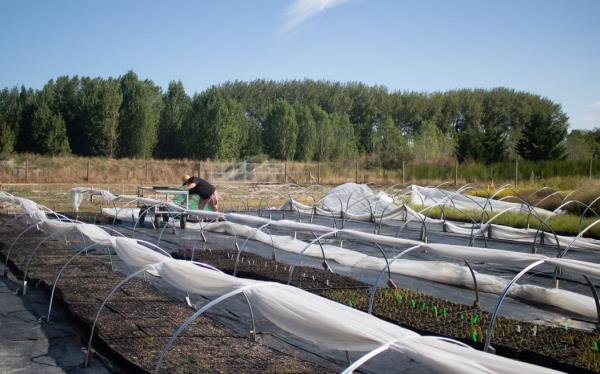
(284,172)
(356,174)
(319,172)
(27,170)
(590,168)
(516,172)
(455,173)
(146,179)
(87,178)
(403,173)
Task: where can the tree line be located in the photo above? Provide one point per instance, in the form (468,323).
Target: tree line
(301,120)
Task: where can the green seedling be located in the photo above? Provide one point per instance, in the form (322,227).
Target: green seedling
(461,317)
(474,319)
(413,303)
(423,307)
(349,303)
(444,312)
(399,298)
(595,346)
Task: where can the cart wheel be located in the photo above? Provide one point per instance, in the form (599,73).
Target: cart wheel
(142,215)
(156,221)
(182,221)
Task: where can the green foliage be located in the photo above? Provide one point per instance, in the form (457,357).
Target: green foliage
(99,103)
(432,144)
(215,126)
(280,131)
(7,136)
(343,144)
(10,117)
(542,138)
(307,134)
(581,145)
(138,117)
(390,145)
(49,131)
(303,120)
(177,109)
(324,132)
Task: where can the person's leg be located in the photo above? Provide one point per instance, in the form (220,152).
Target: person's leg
(202,203)
(214,201)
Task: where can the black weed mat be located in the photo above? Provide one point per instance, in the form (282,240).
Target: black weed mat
(137,321)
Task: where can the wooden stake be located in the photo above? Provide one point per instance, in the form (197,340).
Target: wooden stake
(516,171)
(403,178)
(356,174)
(455,173)
(319,172)
(590,168)
(87,178)
(27,170)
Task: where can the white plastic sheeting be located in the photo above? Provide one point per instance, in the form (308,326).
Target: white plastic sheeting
(360,203)
(427,196)
(442,272)
(311,317)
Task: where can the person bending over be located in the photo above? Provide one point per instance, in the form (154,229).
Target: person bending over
(206,191)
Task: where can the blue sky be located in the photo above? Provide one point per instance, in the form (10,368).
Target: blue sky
(548,47)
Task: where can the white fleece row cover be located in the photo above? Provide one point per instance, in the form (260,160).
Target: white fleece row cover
(316,319)
(443,271)
(358,202)
(321,321)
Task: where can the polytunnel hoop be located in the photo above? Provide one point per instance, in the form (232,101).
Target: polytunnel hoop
(317,239)
(200,311)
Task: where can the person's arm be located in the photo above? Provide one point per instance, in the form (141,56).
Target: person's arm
(190,186)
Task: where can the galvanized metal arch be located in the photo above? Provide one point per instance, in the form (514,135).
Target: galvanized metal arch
(317,239)
(12,245)
(48,237)
(251,236)
(88,356)
(363,359)
(380,275)
(200,311)
(488,338)
(59,273)
(564,252)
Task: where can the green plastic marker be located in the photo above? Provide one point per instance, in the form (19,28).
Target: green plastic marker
(444,313)
(474,336)
(435,310)
(474,319)
(595,347)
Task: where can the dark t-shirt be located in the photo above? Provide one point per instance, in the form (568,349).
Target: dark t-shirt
(203,188)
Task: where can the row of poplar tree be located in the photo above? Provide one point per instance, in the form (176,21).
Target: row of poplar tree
(290,120)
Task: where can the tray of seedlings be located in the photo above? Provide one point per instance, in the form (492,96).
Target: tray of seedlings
(137,321)
(561,348)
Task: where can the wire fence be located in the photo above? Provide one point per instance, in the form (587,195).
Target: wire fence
(38,169)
